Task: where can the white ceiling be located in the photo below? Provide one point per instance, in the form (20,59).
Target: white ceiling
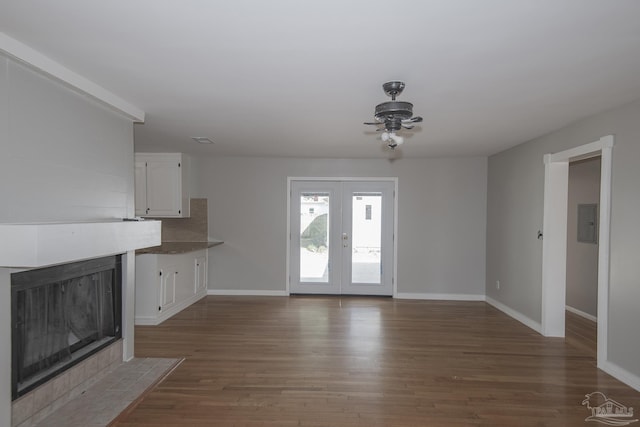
(298,78)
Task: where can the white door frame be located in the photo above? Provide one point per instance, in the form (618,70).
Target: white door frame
(334,178)
(554,245)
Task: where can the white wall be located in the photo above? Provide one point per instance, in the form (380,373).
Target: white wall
(514,210)
(441,219)
(582,258)
(63,157)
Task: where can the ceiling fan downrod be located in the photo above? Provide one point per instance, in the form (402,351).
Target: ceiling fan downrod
(393,89)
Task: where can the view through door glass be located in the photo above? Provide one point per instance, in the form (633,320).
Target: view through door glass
(314,237)
(366,242)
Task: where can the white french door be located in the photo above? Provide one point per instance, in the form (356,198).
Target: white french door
(342,237)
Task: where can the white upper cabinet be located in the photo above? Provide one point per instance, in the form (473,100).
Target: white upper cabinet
(162,188)
(141,187)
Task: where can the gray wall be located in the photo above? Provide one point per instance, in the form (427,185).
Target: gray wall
(441,219)
(582,258)
(64,157)
(514,207)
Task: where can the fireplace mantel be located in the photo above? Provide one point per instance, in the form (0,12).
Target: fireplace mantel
(40,245)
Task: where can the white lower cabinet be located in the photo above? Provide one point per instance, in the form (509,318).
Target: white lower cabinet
(167,284)
(201,274)
(168,277)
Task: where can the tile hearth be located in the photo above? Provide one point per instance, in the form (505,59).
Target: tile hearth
(100,403)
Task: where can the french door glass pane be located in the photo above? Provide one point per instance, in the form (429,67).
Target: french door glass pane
(366,238)
(314,237)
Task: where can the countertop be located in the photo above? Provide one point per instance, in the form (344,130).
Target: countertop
(178,247)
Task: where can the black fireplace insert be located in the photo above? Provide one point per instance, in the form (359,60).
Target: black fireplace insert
(60,316)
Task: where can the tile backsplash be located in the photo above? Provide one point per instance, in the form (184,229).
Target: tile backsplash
(192,229)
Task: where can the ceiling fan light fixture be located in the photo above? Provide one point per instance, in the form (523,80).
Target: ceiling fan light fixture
(392,139)
(398,139)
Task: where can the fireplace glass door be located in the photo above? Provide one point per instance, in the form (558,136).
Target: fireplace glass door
(62,315)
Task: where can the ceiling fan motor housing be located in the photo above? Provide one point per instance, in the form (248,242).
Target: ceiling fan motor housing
(394,109)
(395,115)
(392,124)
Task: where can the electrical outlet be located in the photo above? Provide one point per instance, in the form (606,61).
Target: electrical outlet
(498,284)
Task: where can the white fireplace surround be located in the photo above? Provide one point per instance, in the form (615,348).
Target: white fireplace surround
(27,246)
(40,245)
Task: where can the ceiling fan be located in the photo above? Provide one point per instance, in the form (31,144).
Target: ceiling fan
(391,116)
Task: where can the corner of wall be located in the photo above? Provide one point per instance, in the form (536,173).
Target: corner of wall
(5,350)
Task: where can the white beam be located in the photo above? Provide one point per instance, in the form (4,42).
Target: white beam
(49,67)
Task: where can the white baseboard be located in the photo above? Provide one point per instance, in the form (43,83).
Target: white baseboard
(536,326)
(581,313)
(441,297)
(146,321)
(621,374)
(247,292)
(401,295)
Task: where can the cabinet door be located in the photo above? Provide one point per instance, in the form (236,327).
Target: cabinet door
(201,274)
(164,188)
(168,277)
(141,187)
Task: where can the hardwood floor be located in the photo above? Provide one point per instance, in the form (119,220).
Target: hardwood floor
(351,361)
(581,333)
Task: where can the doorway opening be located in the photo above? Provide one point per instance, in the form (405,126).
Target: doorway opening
(341,236)
(582,254)
(554,247)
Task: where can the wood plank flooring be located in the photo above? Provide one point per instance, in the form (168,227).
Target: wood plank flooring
(351,361)
(582,333)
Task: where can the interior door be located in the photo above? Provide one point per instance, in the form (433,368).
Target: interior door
(342,237)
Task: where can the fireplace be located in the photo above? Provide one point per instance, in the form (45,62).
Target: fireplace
(60,316)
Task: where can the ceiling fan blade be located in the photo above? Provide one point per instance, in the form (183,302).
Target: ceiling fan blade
(407,126)
(416,119)
(373,123)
